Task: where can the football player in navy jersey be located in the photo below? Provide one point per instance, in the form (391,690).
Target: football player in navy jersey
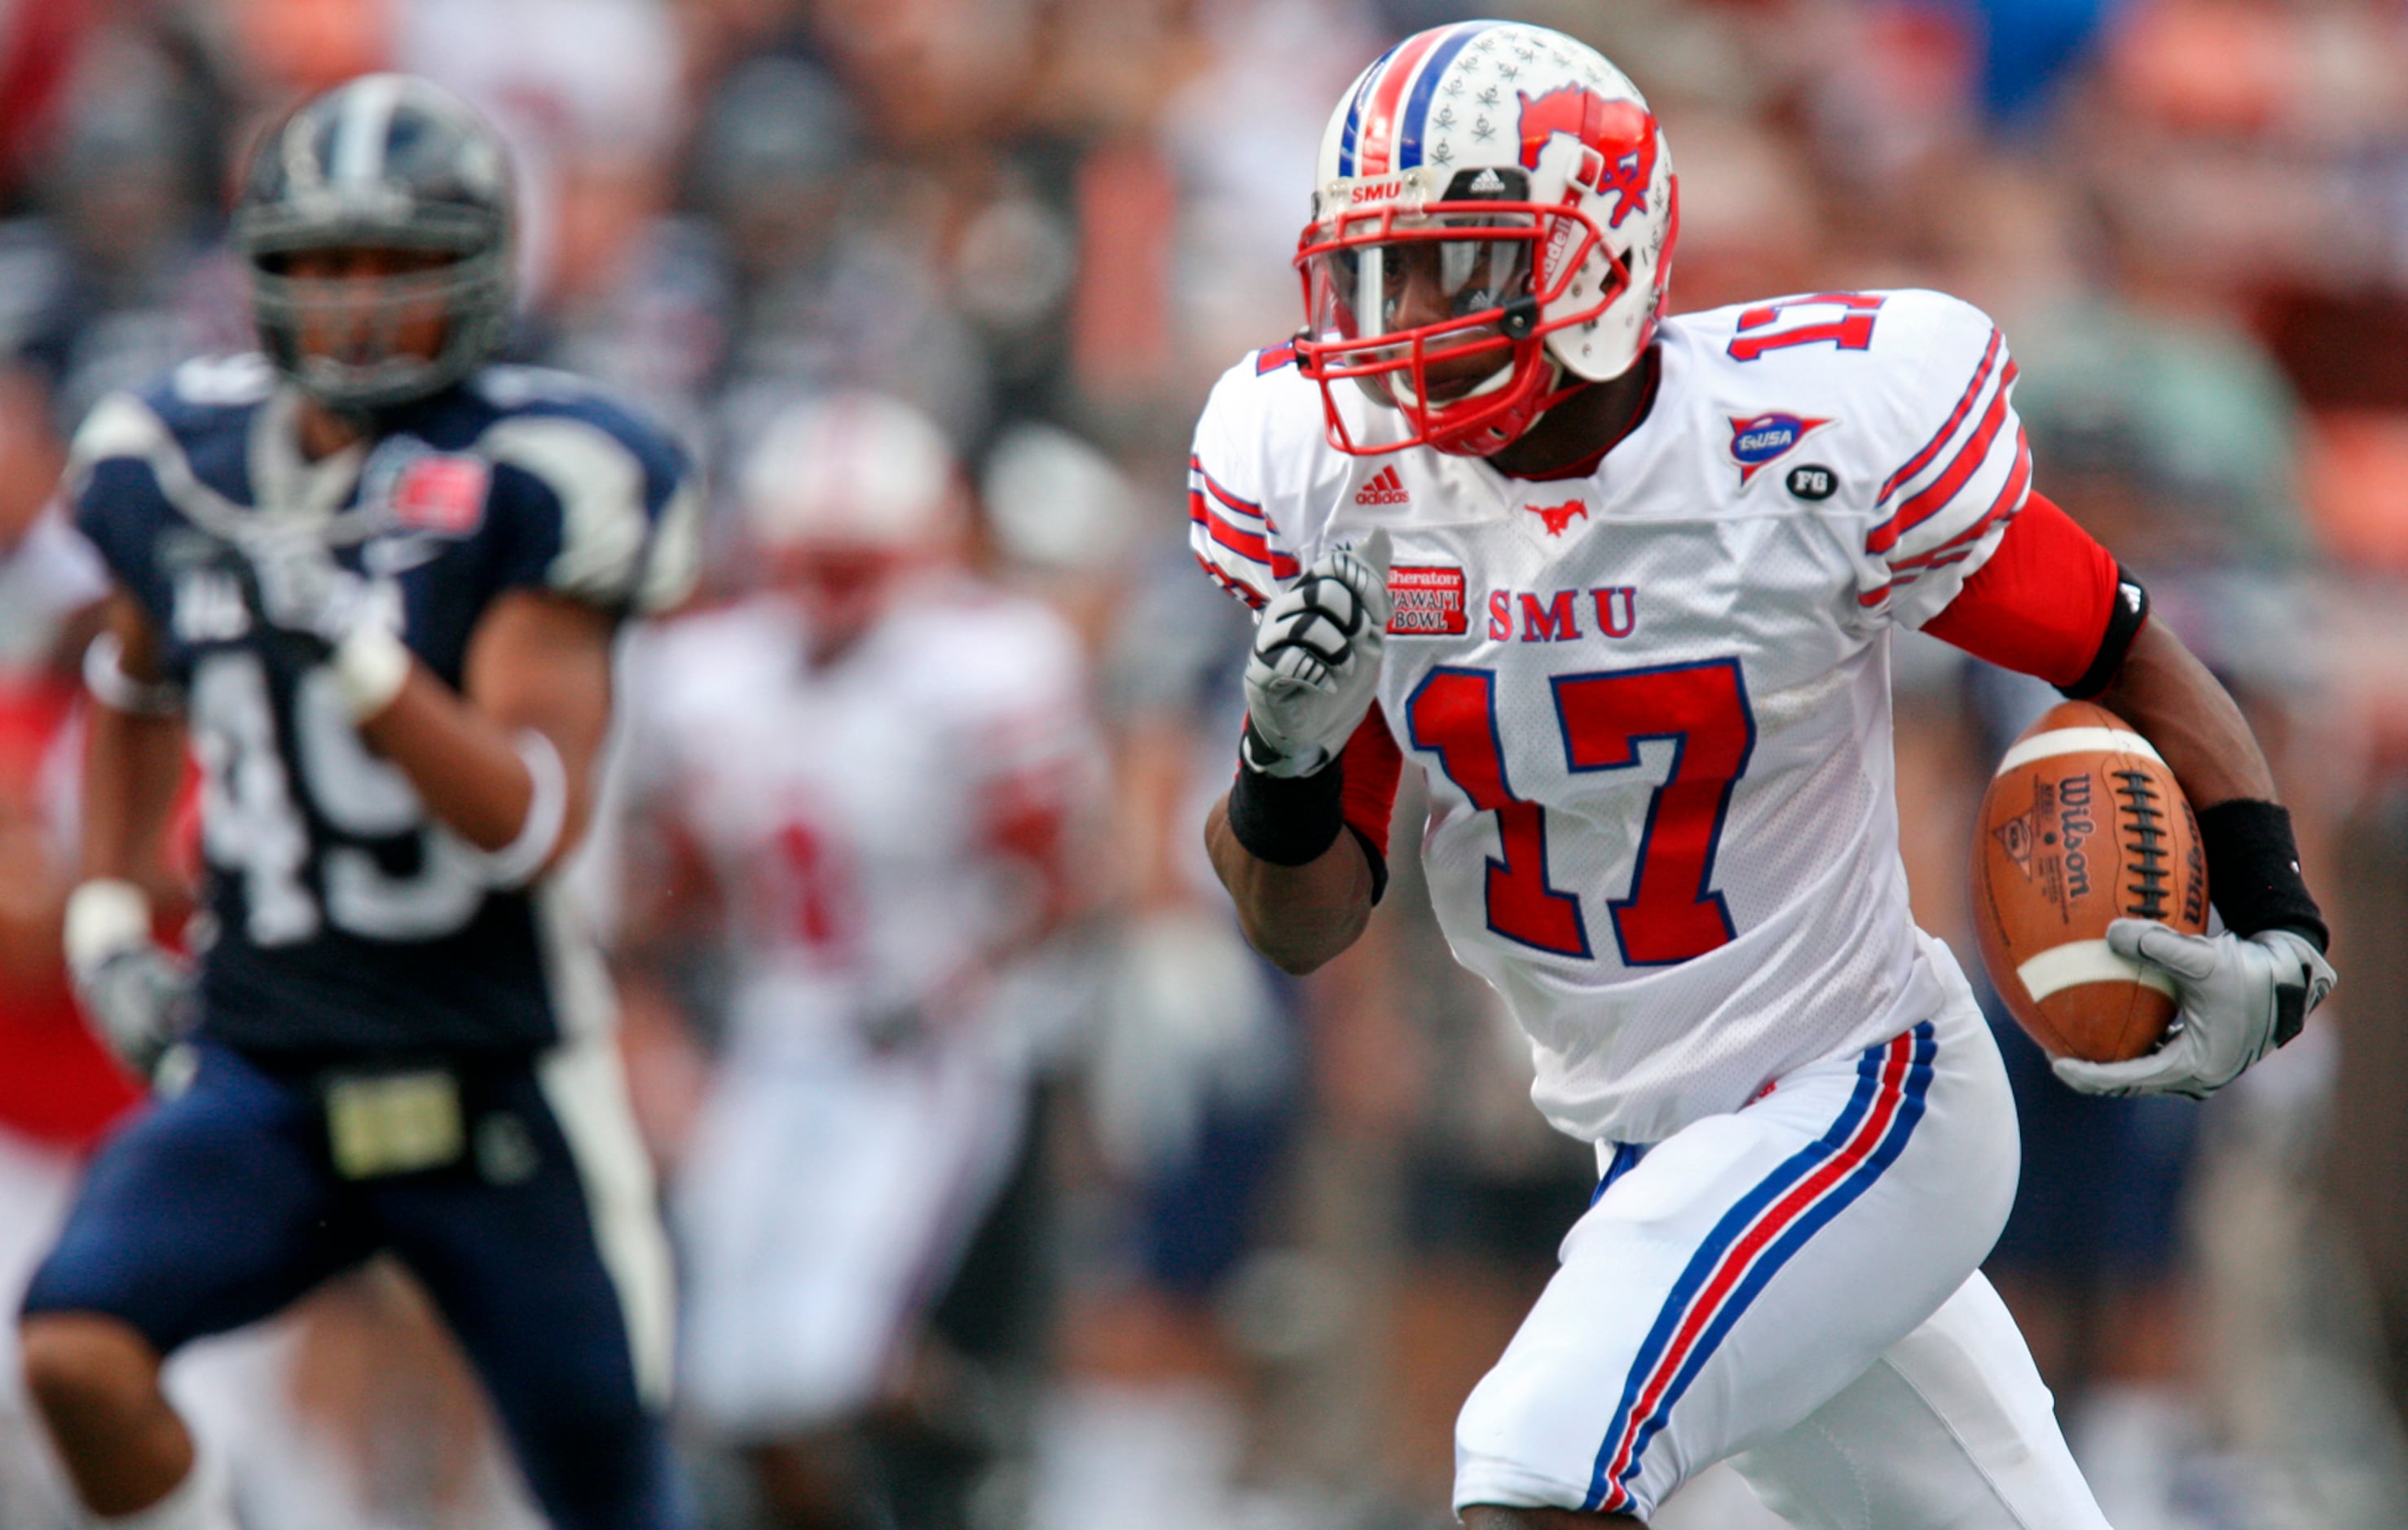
(374,582)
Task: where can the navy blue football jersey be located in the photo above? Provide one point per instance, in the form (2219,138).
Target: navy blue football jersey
(346,919)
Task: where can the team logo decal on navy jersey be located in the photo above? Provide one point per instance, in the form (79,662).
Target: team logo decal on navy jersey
(440,493)
(1759,441)
(1426,600)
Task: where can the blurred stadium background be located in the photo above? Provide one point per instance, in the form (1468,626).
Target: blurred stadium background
(1265,1234)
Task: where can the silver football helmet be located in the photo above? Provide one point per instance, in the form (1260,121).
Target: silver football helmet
(383,162)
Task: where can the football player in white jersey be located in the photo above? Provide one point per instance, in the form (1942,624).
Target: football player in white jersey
(1622,585)
(862,778)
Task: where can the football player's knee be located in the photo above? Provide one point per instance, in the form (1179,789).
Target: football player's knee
(1512,1406)
(83,1369)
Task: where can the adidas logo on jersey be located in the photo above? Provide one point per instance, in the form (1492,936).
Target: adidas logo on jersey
(1385,488)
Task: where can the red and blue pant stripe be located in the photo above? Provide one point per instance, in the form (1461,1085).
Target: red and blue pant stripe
(1751,1242)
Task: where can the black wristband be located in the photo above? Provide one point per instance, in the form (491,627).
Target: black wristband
(1286,820)
(2253,870)
(1378,857)
(2125,612)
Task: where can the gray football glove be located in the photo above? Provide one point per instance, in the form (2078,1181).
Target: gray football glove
(303,589)
(2241,998)
(137,992)
(1316,664)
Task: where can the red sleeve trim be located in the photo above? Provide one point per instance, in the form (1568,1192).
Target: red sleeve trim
(1372,764)
(1922,459)
(2042,605)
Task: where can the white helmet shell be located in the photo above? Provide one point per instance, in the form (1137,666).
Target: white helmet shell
(1541,110)
(853,470)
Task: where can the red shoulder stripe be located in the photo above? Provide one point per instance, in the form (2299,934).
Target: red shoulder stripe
(2011,497)
(1935,495)
(1922,459)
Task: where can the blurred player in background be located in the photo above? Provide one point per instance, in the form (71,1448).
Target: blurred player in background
(59,1090)
(375,582)
(1625,587)
(856,787)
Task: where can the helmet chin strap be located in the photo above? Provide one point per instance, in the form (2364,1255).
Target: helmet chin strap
(1495,436)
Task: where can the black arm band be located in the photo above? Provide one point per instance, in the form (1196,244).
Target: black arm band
(2125,612)
(1287,819)
(1379,859)
(2253,870)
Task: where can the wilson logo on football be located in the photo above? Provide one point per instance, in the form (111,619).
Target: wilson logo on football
(1427,601)
(1760,440)
(1385,488)
(444,495)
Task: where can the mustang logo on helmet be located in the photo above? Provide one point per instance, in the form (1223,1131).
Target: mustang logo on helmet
(1619,133)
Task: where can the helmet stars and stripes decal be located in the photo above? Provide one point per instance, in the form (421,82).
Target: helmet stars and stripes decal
(1390,112)
(1753,1241)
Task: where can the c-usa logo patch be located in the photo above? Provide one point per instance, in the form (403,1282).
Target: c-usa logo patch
(1758,441)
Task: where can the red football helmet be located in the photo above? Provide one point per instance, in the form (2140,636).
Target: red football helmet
(847,496)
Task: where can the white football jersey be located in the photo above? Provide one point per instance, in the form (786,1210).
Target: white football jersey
(1654,704)
(849,812)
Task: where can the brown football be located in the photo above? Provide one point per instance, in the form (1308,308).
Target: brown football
(2083,825)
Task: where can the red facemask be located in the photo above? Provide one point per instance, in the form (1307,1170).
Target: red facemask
(1435,313)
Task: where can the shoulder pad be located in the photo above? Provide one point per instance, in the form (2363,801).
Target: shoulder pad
(1924,433)
(156,432)
(604,502)
(220,382)
(1260,479)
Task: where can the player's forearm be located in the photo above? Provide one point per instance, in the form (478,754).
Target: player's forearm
(468,769)
(1299,917)
(508,764)
(133,767)
(133,752)
(2164,691)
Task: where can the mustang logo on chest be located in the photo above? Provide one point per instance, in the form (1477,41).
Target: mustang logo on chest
(1558,518)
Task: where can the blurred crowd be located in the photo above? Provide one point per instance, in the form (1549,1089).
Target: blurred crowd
(1241,1243)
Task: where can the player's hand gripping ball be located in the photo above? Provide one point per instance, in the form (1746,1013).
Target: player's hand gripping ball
(2241,997)
(1315,664)
(2084,827)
